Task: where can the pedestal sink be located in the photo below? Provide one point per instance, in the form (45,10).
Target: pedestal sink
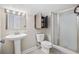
(17,41)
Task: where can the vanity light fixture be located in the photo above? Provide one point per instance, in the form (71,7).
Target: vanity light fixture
(76,10)
(7,11)
(15,12)
(19,13)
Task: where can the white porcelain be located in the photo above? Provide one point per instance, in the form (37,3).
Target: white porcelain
(46,45)
(40,37)
(17,41)
(45,50)
(15,36)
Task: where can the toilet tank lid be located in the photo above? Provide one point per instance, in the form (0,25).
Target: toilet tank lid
(40,34)
(46,43)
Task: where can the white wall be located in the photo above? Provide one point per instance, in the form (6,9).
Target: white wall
(55,28)
(30,40)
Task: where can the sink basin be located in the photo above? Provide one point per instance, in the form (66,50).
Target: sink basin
(15,36)
(17,41)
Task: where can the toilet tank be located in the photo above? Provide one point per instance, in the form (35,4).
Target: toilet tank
(40,37)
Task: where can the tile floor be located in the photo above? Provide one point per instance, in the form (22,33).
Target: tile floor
(37,51)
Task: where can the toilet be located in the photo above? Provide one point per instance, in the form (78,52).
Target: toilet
(45,45)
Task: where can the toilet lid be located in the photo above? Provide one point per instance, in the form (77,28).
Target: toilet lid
(46,43)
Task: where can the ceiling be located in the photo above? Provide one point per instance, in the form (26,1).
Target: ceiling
(34,8)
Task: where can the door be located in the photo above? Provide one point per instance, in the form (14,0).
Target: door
(68,30)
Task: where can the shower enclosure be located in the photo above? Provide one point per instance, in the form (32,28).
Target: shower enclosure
(66,30)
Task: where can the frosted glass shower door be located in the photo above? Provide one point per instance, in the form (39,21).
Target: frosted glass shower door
(68,30)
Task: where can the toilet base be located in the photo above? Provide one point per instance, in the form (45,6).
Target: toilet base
(45,50)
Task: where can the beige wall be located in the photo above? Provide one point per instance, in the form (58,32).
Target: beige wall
(30,40)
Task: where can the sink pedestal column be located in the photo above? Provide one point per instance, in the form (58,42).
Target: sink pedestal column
(17,41)
(17,46)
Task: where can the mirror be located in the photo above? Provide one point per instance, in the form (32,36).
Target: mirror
(14,21)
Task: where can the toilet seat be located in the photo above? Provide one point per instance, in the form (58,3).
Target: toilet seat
(46,44)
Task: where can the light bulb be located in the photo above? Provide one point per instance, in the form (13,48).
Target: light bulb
(13,12)
(7,11)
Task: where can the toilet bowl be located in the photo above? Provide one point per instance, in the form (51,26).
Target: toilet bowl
(45,45)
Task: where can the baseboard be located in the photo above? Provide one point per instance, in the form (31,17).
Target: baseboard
(29,50)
